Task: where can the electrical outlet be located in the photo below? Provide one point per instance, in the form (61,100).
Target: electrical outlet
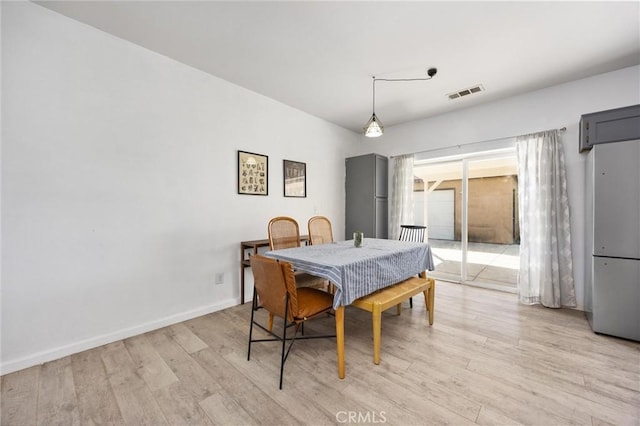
(220,278)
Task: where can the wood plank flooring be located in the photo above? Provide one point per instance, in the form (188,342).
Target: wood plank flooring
(487,360)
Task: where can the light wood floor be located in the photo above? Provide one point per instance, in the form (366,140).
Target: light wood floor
(486,360)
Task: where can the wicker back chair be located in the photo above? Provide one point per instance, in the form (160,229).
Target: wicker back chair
(320,231)
(283,233)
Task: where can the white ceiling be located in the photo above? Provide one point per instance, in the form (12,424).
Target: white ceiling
(319,57)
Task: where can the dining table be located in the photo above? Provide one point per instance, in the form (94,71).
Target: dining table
(358,271)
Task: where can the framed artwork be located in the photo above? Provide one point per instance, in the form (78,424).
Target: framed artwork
(253,173)
(295,179)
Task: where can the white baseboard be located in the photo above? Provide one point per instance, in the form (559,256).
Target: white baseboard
(578,307)
(94,342)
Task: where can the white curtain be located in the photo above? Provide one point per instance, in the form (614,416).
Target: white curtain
(401,195)
(546,271)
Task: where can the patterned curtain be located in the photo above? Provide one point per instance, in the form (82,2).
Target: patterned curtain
(401,195)
(546,271)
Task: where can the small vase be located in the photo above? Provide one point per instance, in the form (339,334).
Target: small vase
(358,237)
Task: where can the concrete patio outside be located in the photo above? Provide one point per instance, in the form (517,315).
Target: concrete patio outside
(492,265)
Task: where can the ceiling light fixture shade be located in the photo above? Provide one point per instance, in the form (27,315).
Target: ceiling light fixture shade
(374,127)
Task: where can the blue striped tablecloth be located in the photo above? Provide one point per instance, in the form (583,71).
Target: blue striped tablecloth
(357,272)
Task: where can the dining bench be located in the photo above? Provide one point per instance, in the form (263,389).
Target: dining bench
(394,295)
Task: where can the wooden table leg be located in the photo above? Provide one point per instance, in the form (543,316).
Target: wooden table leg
(340,340)
(241,274)
(429,298)
(376,317)
(431,302)
(427,295)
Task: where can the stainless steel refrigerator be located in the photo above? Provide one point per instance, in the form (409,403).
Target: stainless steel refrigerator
(612,290)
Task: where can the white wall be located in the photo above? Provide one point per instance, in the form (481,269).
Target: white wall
(550,108)
(119,200)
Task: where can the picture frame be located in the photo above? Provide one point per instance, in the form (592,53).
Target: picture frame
(295,178)
(253,173)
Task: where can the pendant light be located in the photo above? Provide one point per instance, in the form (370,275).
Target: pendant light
(374,127)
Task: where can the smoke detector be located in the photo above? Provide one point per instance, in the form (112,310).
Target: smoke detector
(465,92)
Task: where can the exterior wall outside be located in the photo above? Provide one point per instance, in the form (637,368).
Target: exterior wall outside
(493,214)
(491,209)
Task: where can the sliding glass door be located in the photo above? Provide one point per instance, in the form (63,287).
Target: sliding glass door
(470,208)
(437,200)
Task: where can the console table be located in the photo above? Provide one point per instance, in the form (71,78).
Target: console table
(254,245)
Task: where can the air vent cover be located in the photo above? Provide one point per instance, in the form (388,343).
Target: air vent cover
(464,92)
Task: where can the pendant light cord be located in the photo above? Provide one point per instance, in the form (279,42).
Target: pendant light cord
(374,95)
(431,72)
(374,127)
(401,79)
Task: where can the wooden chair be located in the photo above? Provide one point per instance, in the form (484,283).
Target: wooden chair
(320,231)
(413,233)
(284,233)
(275,290)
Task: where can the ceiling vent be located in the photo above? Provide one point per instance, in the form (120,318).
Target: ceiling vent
(464,92)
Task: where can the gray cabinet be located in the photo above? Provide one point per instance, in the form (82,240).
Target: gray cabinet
(612,267)
(614,125)
(616,296)
(616,211)
(366,196)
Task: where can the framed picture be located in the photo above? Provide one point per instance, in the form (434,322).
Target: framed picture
(295,179)
(253,173)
